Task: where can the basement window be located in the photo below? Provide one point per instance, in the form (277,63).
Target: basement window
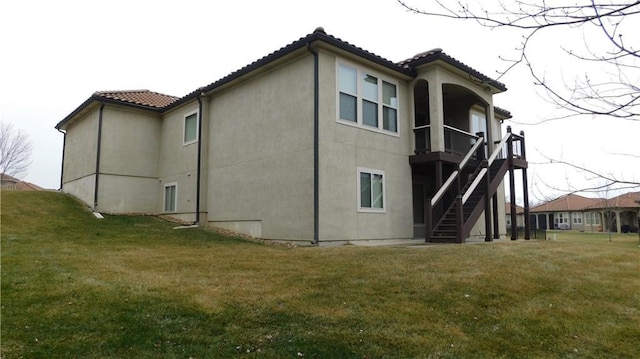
(370,190)
(170,197)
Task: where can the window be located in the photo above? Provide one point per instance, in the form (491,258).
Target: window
(478,123)
(170,196)
(190,129)
(370,190)
(509,221)
(366,100)
(592,218)
(576,218)
(561,217)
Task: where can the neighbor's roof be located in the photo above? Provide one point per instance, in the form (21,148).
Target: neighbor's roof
(519,209)
(20,185)
(570,202)
(159,102)
(627,200)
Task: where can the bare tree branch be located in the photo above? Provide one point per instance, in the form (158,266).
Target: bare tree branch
(15,150)
(618,97)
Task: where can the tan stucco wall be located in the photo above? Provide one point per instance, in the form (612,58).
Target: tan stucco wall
(260,176)
(178,162)
(79,165)
(344,148)
(125,194)
(128,161)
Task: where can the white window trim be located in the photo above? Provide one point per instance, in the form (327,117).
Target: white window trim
(184,127)
(384,191)
(359,98)
(576,218)
(561,217)
(164,197)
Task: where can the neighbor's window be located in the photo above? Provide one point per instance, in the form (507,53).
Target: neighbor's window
(561,217)
(371,190)
(170,197)
(576,218)
(592,218)
(190,128)
(367,100)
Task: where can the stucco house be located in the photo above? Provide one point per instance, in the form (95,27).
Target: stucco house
(318,141)
(519,215)
(11,183)
(575,212)
(619,214)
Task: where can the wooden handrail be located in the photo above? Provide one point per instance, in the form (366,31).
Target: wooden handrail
(421,127)
(493,156)
(454,174)
(454,129)
(497,150)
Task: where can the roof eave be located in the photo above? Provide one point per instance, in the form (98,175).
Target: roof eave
(318,35)
(496,86)
(97,98)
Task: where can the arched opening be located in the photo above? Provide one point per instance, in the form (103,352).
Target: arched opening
(465,114)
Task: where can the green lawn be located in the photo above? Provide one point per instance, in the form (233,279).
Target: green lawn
(132,287)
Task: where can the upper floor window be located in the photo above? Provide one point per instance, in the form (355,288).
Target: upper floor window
(367,100)
(190,128)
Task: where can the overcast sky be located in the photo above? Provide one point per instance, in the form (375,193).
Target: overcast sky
(55,54)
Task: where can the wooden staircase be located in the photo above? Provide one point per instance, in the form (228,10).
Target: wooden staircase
(446,230)
(456,207)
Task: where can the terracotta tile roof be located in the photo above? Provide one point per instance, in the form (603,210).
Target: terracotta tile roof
(160,102)
(139,97)
(519,209)
(28,186)
(438,54)
(627,200)
(6,177)
(19,185)
(568,203)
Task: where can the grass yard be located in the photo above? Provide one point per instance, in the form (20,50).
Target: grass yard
(132,287)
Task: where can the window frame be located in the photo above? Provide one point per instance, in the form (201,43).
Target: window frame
(186,142)
(175,197)
(381,106)
(576,218)
(361,170)
(592,218)
(561,217)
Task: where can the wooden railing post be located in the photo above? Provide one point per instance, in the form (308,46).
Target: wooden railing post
(428,220)
(459,218)
(522,149)
(512,187)
(525,191)
(480,153)
(487,203)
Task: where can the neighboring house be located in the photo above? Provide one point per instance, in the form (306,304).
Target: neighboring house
(565,212)
(318,141)
(519,216)
(619,214)
(11,183)
(575,212)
